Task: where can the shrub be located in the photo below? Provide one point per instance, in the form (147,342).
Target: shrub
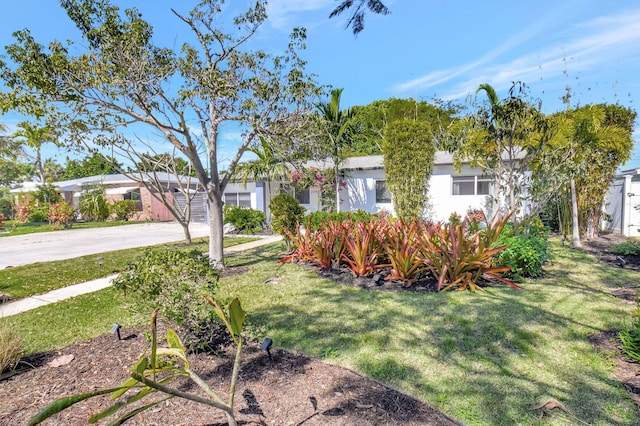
(46,194)
(404,251)
(38,214)
(363,247)
(3,219)
(123,209)
(94,206)
(245,220)
(628,248)
(11,347)
(286,211)
(315,219)
(630,337)
(61,214)
(524,254)
(174,281)
(526,251)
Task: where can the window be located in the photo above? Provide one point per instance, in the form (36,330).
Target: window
(238,199)
(302,195)
(382,193)
(134,196)
(471,185)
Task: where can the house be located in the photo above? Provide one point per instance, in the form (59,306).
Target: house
(122,187)
(449,192)
(622,204)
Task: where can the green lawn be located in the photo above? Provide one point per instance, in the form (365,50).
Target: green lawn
(36,278)
(15,228)
(482,358)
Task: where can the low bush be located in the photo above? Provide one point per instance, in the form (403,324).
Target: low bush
(286,212)
(123,209)
(245,220)
(174,281)
(630,336)
(94,206)
(628,248)
(315,219)
(61,215)
(526,251)
(11,347)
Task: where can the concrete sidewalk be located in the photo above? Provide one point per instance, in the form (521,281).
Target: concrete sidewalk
(32,302)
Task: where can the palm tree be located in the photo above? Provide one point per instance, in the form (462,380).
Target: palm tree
(267,166)
(34,137)
(356,22)
(336,131)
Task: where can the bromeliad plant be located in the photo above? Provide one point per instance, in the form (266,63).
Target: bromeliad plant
(152,373)
(363,247)
(404,251)
(459,258)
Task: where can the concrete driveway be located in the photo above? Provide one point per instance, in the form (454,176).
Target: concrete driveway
(48,246)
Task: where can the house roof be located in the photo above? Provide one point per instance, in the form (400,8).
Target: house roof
(373,162)
(73,185)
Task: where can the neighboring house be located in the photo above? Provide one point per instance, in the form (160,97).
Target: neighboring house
(622,204)
(120,187)
(449,192)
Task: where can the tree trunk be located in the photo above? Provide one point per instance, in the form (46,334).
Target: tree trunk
(575,228)
(39,164)
(216,226)
(335,172)
(187,233)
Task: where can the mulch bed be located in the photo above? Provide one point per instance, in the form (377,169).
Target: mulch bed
(290,389)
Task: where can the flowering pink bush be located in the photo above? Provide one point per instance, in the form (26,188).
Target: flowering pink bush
(323,180)
(61,214)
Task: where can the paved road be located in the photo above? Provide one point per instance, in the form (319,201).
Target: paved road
(48,246)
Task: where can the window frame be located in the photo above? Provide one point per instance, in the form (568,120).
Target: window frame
(383,195)
(475,180)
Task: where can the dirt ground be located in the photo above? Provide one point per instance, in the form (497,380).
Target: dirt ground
(288,389)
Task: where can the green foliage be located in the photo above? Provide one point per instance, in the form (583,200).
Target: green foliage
(628,248)
(173,280)
(95,164)
(123,209)
(46,193)
(527,249)
(93,205)
(246,220)
(286,211)
(61,214)
(630,336)
(315,219)
(409,152)
(11,347)
(155,370)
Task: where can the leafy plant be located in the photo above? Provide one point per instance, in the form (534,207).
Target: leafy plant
(363,246)
(524,254)
(628,248)
(630,337)
(286,212)
(123,209)
(11,347)
(403,251)
(328,244)
(316,219)
(61,214)
(155,370)
(93,205)
(459,259)
(3,219)
(302,240)
(174,281)
(246,220)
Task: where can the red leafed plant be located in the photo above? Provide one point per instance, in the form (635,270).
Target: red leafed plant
(459,259)
(363,247)
(329,244)
(303,241)
(404,251)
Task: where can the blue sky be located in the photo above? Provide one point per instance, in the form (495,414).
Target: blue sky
(427,48)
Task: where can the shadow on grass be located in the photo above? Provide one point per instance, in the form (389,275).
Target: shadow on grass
(484,358)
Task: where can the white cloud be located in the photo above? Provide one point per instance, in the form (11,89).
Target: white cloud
(591,45)
(282,13)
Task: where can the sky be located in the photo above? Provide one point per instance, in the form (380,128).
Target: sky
(424,49)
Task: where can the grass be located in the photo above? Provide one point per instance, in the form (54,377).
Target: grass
(36,278)
(14,228)
(482,358)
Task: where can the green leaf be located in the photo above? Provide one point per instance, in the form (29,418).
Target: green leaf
(135,412)
(237,316)
(63,403)
(173,340)
(128,384)
(106,413)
